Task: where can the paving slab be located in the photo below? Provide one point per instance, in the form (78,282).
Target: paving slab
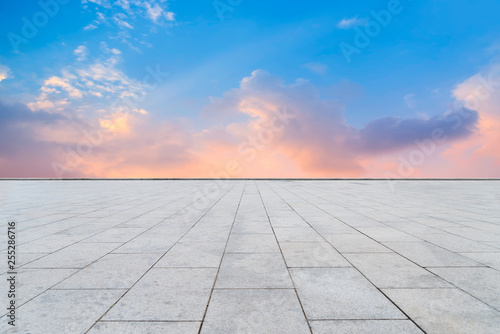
(341,293)
(252,243)
(166,294)
(255,256)
(78,256)
(113,271)
(150,327)
(364,327)
(255,311)
(312,254)
(253,270)
(63,311)
(391,270)
(446,310)
(189,255)
(428,255)
(482,283)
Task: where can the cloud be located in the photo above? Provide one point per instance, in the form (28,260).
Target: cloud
(4,72)
(122,13)
(99,81)
(391,133)
(409,100)
(318,140)
(270,128)
(317,68)
(81,53)
(25,151)
(348,23)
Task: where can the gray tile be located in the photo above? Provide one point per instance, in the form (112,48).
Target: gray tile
(341,293)
(455,243)
(386,234)
(354,243)
(63,311)
(255,311)
(116,235)
(32,282)
(207,235)
(429,255)
(252,243)
(106,327)
(446,310)
(253,271)
(171,294)
(312,254)
(482,283)
(489,259)
(75,256)
(364,327)
(297,235)
(193,255)
(390,270)
(252,228)
(113,271)
(148,243)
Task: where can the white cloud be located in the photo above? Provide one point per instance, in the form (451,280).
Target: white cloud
(410,100)
(4,72)
(90,27)
(352,22)
(317,68)
(81,53)
(90,86)
(125,15)
(170,16)
(63,83)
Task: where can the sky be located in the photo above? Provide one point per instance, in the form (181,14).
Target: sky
(249,88)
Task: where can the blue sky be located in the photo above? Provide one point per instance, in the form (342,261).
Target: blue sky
(408,69)
(424,51)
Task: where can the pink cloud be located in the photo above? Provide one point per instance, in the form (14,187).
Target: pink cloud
(274,129)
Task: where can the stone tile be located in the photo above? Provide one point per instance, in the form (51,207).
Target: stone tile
(312,254)
(32,282)
(390,270)
(207,235)
(489,259)
(354,243)
(252,228)
(113,271)
(290,221)
(252,243)
(148,244)
(297,235)
(482,283)
(428,255)
(116,235)
(340,293)
(455,243)
(75,256)
(255,311)
(170,294)
(364,327)
(472,233)
(263,270)
(446,310)
(49,244)
(63,311)
(107,327)
(386,234)
(193,255)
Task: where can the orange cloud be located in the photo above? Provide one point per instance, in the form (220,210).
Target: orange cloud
(278,130)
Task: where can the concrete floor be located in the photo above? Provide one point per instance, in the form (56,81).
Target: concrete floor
(254,256)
